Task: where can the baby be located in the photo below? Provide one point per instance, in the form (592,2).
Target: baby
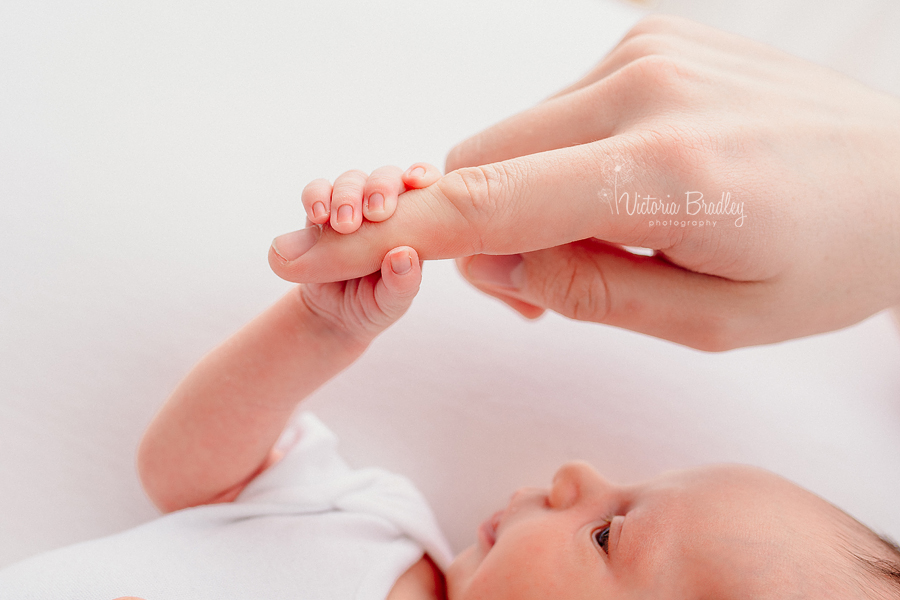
(257,511)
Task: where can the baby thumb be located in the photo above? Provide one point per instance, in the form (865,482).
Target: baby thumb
(401,275)
(590,280)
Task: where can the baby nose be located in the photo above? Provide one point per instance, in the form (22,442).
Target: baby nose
(575,482)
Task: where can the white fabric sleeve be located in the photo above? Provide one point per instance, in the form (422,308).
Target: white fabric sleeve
(309,527)
(313,476)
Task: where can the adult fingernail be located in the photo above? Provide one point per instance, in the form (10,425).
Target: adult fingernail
(292,246)
(497,271)
(319,210)
(345,214)
(401,262)
(376,202)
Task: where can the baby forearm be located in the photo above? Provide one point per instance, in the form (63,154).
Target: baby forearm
(216,431)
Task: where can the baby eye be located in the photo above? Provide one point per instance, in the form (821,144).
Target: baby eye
(601,537)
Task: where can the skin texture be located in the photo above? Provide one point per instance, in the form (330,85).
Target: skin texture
(727,532)
(717,532)
(216,432)
(724,532)
(676,108)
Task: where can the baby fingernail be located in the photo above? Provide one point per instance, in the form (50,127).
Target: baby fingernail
(401,263)
(345,214)
(498,271)
(418,172)
(292,246)
(319,211)
(376,202)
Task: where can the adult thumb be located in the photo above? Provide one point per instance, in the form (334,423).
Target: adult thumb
(591,280)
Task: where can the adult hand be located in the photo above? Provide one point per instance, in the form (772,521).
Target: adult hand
(797,230)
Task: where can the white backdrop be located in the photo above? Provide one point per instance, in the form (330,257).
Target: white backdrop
(149,154)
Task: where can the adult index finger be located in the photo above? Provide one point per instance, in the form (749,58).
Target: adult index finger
(519,205)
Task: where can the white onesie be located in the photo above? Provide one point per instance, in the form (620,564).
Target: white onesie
(309,528)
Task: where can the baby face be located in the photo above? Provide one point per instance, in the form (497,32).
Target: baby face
(722,532)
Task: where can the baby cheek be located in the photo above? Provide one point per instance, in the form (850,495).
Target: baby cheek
(509,573)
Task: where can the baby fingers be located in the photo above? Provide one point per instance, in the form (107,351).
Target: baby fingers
(346,201)
(401,274)
(316,199)
(355,196)
(381,191)
(386,184)
(340,204)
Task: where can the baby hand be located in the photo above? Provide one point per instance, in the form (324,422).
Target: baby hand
(355,195)
(360,309)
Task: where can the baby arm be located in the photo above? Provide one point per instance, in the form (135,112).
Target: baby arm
(216,432)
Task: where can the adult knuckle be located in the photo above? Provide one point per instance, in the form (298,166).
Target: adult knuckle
(662,70)
(681,149)
(468,189)
(580,291)
(644,44)
(477,193)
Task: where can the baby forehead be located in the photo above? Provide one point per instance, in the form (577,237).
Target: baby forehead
(722,477)
(747,506)
(744,526)
(738,490)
